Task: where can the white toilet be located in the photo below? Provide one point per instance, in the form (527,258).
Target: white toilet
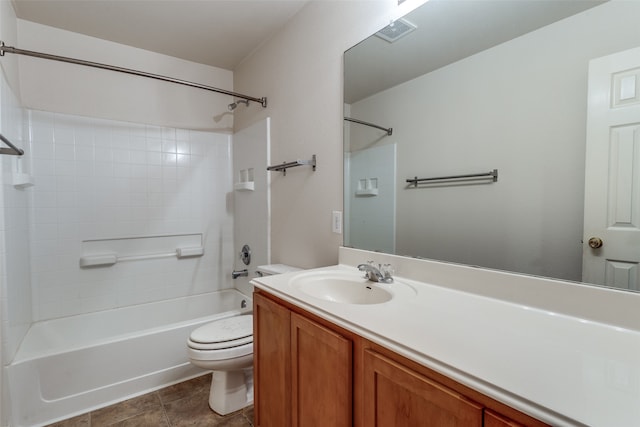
(225,347)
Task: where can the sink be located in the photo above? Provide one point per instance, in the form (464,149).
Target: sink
(345,287)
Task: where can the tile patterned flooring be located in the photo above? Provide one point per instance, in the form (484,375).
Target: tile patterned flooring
(183,404)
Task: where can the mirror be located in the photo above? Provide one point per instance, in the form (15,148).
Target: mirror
(479,86)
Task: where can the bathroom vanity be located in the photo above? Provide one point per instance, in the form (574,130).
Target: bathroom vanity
(479,348)
(309,371)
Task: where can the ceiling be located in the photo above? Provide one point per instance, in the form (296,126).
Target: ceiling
(448,31)
(220,33)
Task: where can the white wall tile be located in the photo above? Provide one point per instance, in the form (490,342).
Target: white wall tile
(122,156)
(65,151)
(102,138)
(47,199)
(121,170)
(65,167)
(43,151)
(103,169)
(15,280)
(138,157)
(183,146)
(65,183)
(103,154)
(41,128)
(104,179)
(153,132)
(63,135)
(43,168)
(84,136)
(154,144)
(154,158)
(183,160)
(44,232)
(169,146)
(44,215)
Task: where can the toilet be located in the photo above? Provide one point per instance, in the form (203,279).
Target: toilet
(225,347)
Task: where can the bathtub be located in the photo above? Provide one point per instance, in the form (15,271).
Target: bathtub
(69,366)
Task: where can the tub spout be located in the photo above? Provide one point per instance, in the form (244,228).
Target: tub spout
(239,273)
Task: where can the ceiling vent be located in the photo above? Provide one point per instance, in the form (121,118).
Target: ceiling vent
(396,30)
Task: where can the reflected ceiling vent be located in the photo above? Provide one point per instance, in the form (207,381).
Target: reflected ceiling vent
(396,30)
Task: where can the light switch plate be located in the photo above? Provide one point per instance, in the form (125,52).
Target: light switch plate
(336,222)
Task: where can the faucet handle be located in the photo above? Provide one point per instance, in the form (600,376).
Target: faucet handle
(387,271)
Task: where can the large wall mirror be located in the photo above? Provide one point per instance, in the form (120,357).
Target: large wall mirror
(540,99)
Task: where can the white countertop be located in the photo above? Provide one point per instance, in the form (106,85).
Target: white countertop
(562,369)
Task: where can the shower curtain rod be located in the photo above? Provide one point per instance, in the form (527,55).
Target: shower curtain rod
(4,49)
(389,131)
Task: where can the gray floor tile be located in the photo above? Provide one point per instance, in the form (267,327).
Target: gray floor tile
(121,411)
(181,405)
(79,421)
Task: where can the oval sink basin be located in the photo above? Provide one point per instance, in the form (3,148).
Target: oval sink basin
(344,288)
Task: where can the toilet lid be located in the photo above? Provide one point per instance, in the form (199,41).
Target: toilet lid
(236,328)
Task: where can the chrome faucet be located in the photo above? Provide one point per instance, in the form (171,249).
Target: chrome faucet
(235,274)
(381,274)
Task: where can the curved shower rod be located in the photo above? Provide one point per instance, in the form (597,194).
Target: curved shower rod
(4,49)
(389,131)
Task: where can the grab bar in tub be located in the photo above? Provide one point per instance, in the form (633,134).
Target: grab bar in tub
(108,259)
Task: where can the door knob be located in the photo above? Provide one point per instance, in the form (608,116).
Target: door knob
(595,242)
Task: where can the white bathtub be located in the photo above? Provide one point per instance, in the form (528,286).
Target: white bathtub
(72,365)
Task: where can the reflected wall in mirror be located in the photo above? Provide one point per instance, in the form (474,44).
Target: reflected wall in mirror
(514,85)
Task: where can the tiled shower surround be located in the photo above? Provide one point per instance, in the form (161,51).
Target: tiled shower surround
(100,179)
(15,274)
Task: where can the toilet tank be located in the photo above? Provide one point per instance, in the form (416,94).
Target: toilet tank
(271,269)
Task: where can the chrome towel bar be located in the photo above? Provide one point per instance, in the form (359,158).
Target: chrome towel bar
(493,175)
(12,150)
(284,166)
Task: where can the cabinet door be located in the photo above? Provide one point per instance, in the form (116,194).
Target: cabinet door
(493,419)
(395,395)
(271,362)
(321,373)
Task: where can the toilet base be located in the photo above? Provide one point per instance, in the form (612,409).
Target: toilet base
(231,391)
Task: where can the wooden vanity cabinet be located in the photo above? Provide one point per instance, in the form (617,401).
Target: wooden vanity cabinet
(395,395)
(321,377)
(388,375)
(492,419)
(302,370)
(271,362)
(310,372)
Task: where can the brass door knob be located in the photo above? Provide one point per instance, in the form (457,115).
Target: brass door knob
(595,242)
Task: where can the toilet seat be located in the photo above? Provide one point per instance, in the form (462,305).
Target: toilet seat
(223,334)
(220,345)
(223,355)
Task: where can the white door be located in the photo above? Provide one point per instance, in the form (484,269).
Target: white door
(612,176)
